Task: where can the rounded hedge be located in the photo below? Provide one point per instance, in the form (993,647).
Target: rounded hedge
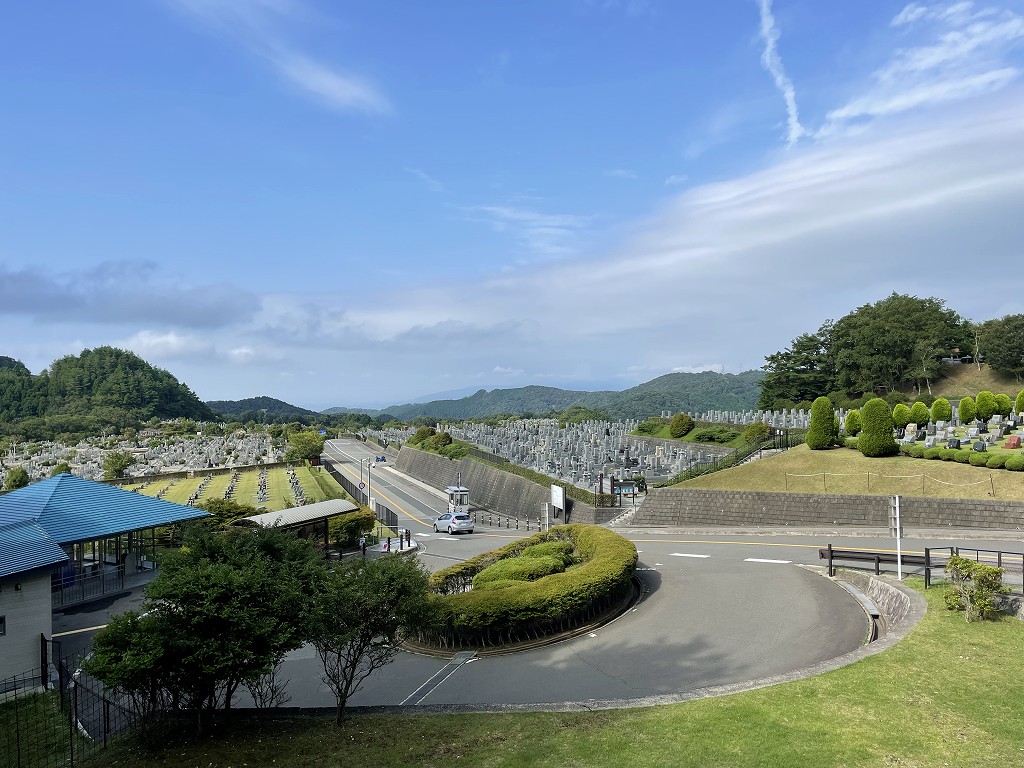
(942,410)
(519,569)
(853,425)
(561,550)
(985,402)
(948,454)
(966,411)
(963,456)
(876,437)
(1015,463)
(978,459)
(900,415)
(680,425)
(996,460)
(916,451)
(821,433)
(462,616)
(1004,405)
(1018,404)
(919,413)
(933,453)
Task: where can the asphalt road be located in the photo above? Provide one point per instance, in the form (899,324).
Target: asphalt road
(718,609)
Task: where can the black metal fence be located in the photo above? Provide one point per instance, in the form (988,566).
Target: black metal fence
(386,516)
(77,588)
(57,716)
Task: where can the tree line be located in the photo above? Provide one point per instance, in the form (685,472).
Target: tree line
(894,344)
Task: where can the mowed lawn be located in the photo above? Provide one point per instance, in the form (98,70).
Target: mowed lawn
(949,694)
(843,470)
(279,491)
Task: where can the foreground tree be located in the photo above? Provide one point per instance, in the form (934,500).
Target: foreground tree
(222,612)
(876,437)
(116,463)
(306,446)
(360,613)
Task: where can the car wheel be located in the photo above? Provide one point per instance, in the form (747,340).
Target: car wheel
(435,528)
(450,531)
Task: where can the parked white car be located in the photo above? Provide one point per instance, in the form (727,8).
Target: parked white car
(453,523)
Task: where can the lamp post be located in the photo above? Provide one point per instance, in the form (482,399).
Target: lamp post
(369,465)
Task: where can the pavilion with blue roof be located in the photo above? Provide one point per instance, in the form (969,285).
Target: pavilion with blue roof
(81,527)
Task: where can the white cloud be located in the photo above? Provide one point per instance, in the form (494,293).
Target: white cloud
(772,62)
(154,344)
(550,235)
(676,179)
(964,55)
(259,26)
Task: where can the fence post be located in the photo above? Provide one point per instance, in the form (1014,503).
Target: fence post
(17,718)
(72,717)
(831,570)
(927,568)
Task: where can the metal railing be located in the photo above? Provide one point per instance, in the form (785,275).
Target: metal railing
(76,588)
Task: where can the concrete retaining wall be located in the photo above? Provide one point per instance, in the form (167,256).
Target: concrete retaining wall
(502,492)
(681,507)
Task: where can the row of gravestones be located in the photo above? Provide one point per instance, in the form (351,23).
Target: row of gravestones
(178,454)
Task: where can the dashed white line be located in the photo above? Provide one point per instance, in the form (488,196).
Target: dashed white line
(684,554)
(762,560)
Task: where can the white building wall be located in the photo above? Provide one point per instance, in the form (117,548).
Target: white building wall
(28,613)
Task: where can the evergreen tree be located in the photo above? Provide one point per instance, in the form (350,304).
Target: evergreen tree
(876,438)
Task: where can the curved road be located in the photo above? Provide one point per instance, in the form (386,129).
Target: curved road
(717,610)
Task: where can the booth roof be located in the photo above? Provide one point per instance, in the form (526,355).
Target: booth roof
(70,509)
(298,516)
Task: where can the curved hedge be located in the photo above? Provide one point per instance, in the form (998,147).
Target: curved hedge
(518,611)
(519,569)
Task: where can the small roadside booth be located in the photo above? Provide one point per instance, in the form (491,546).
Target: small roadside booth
(458,498)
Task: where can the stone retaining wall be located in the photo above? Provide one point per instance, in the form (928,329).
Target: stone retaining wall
(502,492)
(692,506)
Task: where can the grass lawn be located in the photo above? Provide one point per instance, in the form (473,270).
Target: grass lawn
(847,471)
(948,695)
(279,490)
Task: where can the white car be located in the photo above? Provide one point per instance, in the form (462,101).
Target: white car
(453,522)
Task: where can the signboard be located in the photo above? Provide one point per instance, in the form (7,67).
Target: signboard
(557,496)
(362,486)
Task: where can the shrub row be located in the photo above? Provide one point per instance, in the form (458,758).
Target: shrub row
(1013,462)
(509,610)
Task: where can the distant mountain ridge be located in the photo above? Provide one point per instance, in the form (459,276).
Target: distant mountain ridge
(673,392)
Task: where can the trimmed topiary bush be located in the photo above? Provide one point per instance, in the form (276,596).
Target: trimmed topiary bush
(900,415)
(919,413)
(933,453)
(851,442)
(942,410)
(985,404)
(948,454)
(996,460)
(1004,405)
(904,449)
(916,451)
(1014,463)
(520,569)
(963,456)
(978,459)
(561,550)
(1019,402)
(853,425)
(822,432)
(966,411)
(876,437)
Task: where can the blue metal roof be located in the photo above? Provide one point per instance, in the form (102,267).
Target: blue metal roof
(71,509)
(24,545)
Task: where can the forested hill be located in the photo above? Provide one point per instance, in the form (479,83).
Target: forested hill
(672,392)
(102,387)
(259,409)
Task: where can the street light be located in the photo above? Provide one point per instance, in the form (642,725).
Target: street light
(369,465)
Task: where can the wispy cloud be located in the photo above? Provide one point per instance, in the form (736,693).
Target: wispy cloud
(432,184)
(772,62)
(964,55)
(676,179)
(543,234)
(259,26)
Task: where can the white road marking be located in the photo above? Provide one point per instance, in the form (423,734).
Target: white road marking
(683,554)
(762,560)
(447,538)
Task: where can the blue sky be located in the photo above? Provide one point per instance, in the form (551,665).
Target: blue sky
(362,203)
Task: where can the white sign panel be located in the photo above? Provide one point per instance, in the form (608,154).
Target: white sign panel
(558,496)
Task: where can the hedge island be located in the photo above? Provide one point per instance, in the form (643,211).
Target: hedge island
(552,582)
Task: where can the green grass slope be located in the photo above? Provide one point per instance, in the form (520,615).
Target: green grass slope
(843,470)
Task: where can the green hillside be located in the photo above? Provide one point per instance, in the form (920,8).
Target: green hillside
(102,388)
(257,408)
(672,392)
